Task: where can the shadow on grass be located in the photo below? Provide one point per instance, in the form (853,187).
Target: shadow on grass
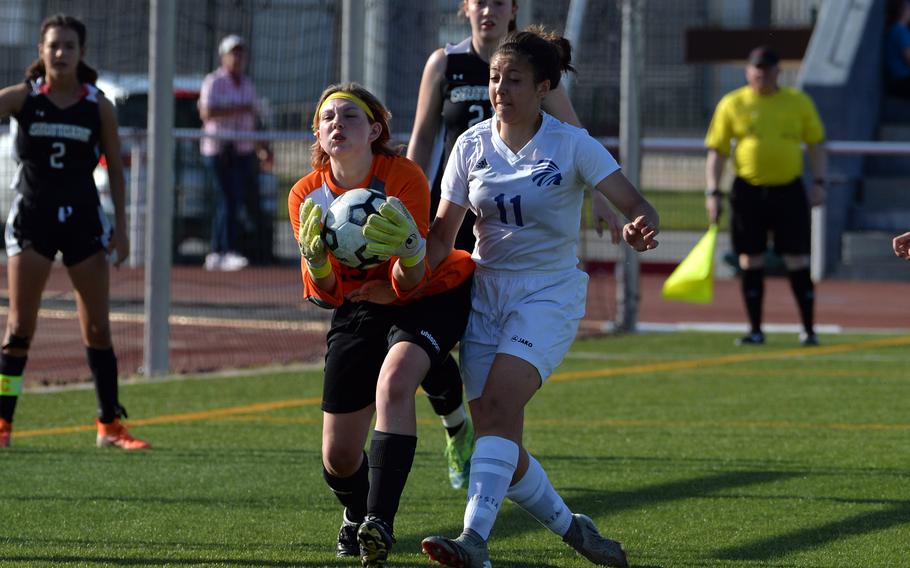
(795,541)
(515,522)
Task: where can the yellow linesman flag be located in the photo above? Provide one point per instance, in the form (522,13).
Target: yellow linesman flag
(693,280)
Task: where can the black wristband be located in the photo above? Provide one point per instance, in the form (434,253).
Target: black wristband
(818,181)
(713,193)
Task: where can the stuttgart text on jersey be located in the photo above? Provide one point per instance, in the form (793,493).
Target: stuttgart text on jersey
(57,130)
(469,93)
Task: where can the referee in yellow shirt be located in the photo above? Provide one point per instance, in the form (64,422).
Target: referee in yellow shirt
(769,124)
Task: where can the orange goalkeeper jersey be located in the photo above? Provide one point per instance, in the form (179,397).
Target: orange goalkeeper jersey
(393,176)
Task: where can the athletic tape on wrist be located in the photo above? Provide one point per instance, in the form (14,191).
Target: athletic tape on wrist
(10,386)
(320,271)
(416,259)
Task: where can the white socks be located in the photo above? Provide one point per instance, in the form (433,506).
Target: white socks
(492,467)
(535,494)
(455,418)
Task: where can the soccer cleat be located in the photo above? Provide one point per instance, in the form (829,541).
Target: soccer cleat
(463,552)
(754,338)
(375,539)
(584,537)
(458,454)
(6,432)
(808,339)
(347,538)
(115,435)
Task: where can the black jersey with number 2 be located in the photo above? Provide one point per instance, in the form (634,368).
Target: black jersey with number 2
(58,148)
(466,97)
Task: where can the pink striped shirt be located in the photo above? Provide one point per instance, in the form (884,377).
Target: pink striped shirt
(219,90)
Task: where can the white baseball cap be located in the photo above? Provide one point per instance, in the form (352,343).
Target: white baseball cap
(229,43)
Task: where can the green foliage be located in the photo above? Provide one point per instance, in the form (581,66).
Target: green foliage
(689,450)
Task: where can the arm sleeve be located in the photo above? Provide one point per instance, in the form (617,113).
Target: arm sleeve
(455,177)
(412,189)
(593,162)
(813,129)
(311,291)
(720,131)
(410,186)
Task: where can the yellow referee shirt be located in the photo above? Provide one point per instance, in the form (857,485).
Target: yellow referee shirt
(768,131)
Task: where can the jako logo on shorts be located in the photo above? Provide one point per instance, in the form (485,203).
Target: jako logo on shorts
(522,340)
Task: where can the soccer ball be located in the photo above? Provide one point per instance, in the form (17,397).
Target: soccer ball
(343,228)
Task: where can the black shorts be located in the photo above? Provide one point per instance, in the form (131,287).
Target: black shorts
(779,210)
(362,333)
(77,231)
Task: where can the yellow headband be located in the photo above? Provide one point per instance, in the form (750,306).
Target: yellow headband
(350,97)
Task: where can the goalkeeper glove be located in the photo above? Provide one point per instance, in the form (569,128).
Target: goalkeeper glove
(393,232)
(309,238)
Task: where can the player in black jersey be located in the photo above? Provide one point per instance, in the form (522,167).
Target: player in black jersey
(64,125)
(453,97)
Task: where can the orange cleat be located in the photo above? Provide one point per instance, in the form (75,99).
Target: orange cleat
(115,435)
(6,432)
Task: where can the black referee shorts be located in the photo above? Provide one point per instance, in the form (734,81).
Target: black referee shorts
(362,333)
(780,212)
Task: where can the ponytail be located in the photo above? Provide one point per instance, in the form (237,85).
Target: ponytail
(548,53)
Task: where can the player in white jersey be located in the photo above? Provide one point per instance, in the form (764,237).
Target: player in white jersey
(454,97)
(523,174)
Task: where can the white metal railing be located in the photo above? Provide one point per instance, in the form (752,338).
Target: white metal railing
(648,143)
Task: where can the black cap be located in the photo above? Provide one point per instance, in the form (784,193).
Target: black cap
(763,56)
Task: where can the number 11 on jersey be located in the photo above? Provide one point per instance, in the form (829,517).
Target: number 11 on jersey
(516,208)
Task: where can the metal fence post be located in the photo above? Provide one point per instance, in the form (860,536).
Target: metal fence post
(160,210)
(627,274)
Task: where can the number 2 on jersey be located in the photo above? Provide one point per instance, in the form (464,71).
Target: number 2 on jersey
(516,209)
(477,110)
(57,155)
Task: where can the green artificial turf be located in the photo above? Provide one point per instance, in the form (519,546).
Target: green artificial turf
(689,450)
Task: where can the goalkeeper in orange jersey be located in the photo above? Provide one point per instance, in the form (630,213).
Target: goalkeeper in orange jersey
(391,323)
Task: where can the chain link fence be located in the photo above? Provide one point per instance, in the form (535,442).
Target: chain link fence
(296,49)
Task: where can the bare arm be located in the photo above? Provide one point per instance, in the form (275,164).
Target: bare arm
(428,117)
(12,98)
(110,146)
(645,222)
(557,103)
(818,165)
(714,169)
(441,240)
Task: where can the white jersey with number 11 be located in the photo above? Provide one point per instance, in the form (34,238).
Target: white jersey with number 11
(528,204)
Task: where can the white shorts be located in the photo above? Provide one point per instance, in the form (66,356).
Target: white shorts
(533,317)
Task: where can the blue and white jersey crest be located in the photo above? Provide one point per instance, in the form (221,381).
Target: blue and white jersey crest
(546,172)
(528,202)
